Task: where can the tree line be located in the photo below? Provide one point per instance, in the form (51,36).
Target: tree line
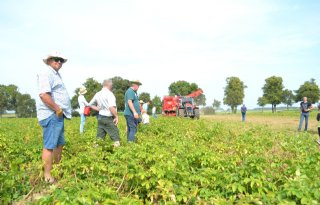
(274,93)
(12,99)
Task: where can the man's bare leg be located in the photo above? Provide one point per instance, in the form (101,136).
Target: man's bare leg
(57,154)
(47,160)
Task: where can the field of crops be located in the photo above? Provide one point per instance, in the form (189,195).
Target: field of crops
(175,161)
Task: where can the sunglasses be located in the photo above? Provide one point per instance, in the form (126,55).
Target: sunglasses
(57,60)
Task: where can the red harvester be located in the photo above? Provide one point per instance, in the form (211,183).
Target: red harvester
(181,106)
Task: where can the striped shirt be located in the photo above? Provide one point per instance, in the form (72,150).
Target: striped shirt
(50,81)
(104,99)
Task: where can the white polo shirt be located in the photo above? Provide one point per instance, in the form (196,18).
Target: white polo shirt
(104,99)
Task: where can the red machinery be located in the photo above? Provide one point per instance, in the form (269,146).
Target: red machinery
(182,106)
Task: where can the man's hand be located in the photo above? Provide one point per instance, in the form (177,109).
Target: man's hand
(59,113)
(116,120)
(135,115)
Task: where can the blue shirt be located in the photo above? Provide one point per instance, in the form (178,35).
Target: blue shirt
(50,81)
(131,95)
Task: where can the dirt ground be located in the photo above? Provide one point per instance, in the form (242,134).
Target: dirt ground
(285,123)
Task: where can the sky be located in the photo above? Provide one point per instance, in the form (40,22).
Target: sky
(160,42)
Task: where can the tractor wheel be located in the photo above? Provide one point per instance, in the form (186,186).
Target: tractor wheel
(196,113)
(181,112)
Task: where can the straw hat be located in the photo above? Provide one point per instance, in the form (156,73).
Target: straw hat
(54,55)
(137,82)
(82,91)
(141,102)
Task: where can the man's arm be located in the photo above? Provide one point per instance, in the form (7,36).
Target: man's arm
(48,101)
(93,103)
(115,115)
(131,106)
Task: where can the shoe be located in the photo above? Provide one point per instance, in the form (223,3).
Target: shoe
(116,144)
(318,141)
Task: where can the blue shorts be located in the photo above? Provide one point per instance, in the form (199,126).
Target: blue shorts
(53,131)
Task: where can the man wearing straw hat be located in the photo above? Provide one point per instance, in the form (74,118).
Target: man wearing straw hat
(132,109)
(54,105)
(82,103)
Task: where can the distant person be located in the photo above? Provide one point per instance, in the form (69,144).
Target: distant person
(318,119)
(145,118)
(132,109)
(82,103)
(154,112)
(145,106)
(53,107)
(305,108)
(319,104)
(104,102)
(244,112)
(141,105)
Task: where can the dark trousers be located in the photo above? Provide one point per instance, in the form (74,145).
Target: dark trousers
(106,126)
(131,127)
(319,131)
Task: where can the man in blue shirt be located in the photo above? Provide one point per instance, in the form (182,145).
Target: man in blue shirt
(132,109)
(54,105)
(305,108)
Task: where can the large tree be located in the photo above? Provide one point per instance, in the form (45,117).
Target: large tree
(3,99)
(216,105)
(10,92)
(156,101)
(144,96)
(262,102)
(288,98)
(120,86)
(273,91)
(183,88)
(309,89)
(234,93)
(26,106)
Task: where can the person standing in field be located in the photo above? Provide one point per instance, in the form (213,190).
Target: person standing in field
(104,102)
(318,119)
(145,117)
(132,109)
(82,103)
(54,105)
(154,112)
(305,108)
(141,104)
(243,112)
(145,106)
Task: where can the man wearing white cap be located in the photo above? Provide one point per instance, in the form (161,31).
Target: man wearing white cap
(82,103)
(54,105)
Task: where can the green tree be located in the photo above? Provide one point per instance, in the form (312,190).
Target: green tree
(234,93)
(25,106)
(3,99)
(309,89)
(120,87)
(183,88)
(288,98)
(273,91)
(10,93)
(262,102)
(216,105)
(144,96)
(156,101)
